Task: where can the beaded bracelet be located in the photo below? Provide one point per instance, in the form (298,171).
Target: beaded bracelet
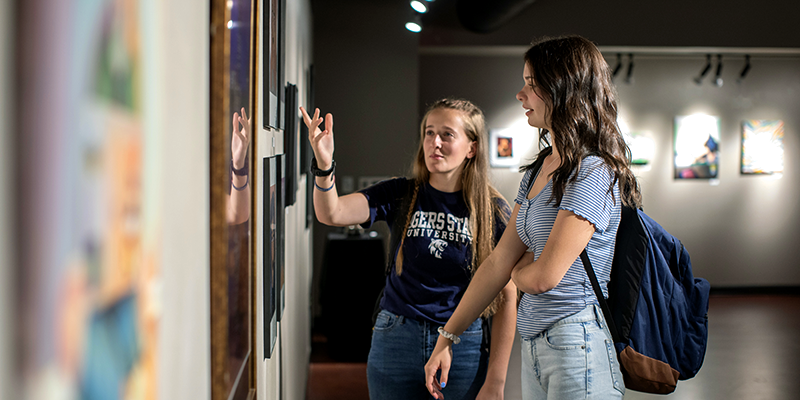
(322,189)
(453,338)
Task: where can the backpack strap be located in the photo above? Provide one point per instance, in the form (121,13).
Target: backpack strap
(587,265)
(537,165)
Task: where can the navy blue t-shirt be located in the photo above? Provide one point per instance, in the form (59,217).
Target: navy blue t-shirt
(437,249)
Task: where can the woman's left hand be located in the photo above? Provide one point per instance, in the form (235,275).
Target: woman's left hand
(240,139)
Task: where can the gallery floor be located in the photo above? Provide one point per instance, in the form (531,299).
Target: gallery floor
(753,353)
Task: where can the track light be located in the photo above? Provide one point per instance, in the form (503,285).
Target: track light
(699,80)
(618,67)
(415,25)
(718,74)
(746,68)
(629,75)
(419,6)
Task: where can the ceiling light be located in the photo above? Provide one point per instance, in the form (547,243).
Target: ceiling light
(414,26)
(618,67)
(629,75)
(746,68)
(419,7)
(718,74)
(699,80)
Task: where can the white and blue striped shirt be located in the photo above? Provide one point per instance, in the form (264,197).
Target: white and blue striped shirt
(589,198)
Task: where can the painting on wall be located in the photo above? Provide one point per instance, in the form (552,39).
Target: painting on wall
(280,229)
(90,308)
(696,147)
(270,188)
(642,147)
(508,147)
(274,17)
(762,146)
(290,143)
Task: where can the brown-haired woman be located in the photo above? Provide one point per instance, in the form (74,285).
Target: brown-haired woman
(572,204)
(454,222)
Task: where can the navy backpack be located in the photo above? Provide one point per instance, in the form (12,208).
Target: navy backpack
(657,311)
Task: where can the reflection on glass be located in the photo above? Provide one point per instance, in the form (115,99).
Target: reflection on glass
(239,275)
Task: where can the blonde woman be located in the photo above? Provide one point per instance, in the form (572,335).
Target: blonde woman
(453,223)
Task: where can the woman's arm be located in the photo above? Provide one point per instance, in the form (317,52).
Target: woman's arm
(328,206)
(504,324)
(492,276)
(239,200)
(569,236)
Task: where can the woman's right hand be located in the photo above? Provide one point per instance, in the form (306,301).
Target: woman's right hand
(321,141)
(441,359)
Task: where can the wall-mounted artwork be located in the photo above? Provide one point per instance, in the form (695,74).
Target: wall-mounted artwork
(762,146)
(270,248)
(642,147)
(696,147)
(280,228)
(290,143)
(509,147)
(273,53)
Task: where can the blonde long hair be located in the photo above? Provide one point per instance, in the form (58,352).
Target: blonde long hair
(479,195)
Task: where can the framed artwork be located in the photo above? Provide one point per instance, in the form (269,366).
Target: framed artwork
(762,147)
(270,273)
(509,146)
(231,266)
(274,16)
(642,147)
(290,144)
(280,228)
(696,147)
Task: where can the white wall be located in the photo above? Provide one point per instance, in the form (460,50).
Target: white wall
(177,75)
(7,245)
(284,375)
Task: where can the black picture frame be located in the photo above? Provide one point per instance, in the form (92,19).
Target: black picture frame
(274,39)
(290,143)
(280,232)
(269,235)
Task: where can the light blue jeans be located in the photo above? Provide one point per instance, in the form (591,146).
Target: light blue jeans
(573,359)
(400,349)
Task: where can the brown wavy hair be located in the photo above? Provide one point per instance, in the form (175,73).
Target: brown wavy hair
(479,194)
(574,81)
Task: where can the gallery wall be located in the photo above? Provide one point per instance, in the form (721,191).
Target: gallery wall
(7,293)
(59,196)
(739,230)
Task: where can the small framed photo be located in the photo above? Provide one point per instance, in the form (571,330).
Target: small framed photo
(270,248)
(509,147)
(762,147)
(696,147)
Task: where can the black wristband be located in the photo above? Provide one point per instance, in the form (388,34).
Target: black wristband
(241,171)
(318,172)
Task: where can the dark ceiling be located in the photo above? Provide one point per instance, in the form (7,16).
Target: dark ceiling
(721,23)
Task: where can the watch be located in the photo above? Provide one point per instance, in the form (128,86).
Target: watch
(318,172)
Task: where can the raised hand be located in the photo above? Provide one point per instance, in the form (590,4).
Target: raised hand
(321,141)
(240,139)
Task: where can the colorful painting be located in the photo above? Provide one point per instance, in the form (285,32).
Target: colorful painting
(92,272)
(642,147)
(762,146)
(270,272)
(696,147)
(509,147)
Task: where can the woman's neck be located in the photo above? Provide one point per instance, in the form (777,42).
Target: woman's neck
(448,183)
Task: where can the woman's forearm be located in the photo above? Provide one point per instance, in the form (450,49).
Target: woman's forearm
(504,324)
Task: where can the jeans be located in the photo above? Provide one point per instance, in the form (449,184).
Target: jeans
(573,359)
(401,347)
